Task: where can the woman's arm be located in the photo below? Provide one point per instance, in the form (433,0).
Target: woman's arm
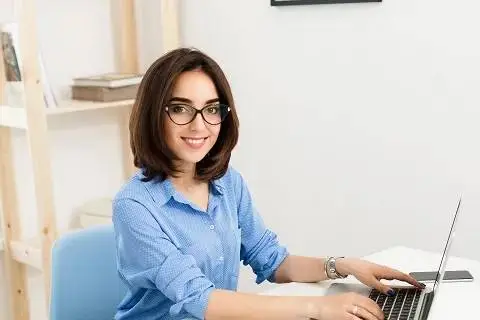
(233,305)
(301,269)
(306,269)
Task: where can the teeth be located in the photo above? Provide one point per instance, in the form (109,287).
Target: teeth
(195,141)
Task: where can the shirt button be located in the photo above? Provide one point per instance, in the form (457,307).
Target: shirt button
(212,227)
(221,258)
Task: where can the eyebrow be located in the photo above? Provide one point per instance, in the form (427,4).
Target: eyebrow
(180,99)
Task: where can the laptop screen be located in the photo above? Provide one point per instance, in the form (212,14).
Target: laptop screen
(443,262)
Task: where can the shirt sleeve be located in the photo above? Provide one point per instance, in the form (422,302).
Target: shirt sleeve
(148,259)
(260,247)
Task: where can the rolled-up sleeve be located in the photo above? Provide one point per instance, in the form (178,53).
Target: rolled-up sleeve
(260,247)
(148,259)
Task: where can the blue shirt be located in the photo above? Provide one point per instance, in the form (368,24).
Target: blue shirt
(171,254)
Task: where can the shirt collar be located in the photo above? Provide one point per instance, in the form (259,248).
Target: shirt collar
(218,186)
(160,190)
(163,190)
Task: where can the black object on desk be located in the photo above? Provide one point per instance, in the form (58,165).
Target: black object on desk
(450,276)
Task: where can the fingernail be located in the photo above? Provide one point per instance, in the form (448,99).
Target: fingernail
(391,292)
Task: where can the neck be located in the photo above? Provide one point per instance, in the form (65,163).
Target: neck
(186,178)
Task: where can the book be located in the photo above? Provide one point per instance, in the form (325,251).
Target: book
(104,94)
(14,86)
(108,80)
(10,59)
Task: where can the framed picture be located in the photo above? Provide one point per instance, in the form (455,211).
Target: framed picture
(306,2)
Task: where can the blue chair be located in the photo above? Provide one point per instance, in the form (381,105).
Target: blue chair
(85,283)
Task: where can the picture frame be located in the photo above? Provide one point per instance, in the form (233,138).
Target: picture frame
(277,3)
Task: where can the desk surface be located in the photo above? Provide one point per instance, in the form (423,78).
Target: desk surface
(454,301)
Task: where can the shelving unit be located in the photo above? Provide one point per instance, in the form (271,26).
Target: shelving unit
(33,120)
(15,117)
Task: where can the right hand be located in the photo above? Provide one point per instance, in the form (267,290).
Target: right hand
(347,306)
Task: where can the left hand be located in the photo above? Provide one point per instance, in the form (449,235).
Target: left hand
(370,274)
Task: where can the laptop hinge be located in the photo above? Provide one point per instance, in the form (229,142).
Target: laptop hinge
(426,306)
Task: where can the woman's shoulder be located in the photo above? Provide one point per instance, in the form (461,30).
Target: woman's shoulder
(232,180)
(136,188)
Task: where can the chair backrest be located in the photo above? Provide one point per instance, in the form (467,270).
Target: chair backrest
(85,282)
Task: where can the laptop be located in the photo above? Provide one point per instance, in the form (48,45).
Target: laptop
(409,303)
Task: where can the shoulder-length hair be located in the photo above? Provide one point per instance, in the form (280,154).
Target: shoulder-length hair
(147,131)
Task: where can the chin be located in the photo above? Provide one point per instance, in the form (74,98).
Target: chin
(192,160)
(192,157)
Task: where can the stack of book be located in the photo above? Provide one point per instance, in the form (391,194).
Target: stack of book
(106,87)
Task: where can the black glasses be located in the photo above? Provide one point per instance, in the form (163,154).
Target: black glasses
(182,114)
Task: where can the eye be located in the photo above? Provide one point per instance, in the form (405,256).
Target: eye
(213,109)
(179,109)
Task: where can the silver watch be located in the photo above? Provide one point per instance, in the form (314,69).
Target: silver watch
(331,268)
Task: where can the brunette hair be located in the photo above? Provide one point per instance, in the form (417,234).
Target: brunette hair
(147,131)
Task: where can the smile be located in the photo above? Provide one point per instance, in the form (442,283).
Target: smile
(194,142)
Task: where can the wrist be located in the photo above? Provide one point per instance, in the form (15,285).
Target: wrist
(342,265)
(334,269)
(311,308)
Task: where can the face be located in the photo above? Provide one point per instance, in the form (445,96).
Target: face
(192,141)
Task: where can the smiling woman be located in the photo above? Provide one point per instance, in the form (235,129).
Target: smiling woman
(186,220)
(185,98)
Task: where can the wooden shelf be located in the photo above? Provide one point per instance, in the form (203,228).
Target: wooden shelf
(96,212)
(34,118)
(79,106)
(14,117)
(27,252)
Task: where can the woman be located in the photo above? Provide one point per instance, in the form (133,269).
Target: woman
(186,220)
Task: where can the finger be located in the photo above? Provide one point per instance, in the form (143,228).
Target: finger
(392,274)
(366,315)
(409,279)
(370,306)
(349,316)
(375,283)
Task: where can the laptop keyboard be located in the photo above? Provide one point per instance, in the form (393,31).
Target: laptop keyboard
(402,306)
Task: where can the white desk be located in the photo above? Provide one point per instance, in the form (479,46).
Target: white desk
(454,301)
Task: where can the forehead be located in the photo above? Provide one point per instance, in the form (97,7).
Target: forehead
(196,86)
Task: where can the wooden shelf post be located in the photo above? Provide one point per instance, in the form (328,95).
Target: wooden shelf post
(11,229)
(170,24)
(128,63)
(37,136)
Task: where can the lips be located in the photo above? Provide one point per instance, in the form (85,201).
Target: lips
(194,143)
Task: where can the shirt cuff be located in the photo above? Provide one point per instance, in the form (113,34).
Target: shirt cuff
(269,273)
(198,308)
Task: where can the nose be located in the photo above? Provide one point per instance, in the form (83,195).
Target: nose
(197,124)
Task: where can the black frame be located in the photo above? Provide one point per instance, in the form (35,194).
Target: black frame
(277,3)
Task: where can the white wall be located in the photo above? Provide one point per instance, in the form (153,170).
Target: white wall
(386,97)
(359,123)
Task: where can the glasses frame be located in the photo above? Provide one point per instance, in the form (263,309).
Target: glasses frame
(197,111)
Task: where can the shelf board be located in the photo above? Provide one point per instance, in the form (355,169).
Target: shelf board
(96,212)
(27,252)
(14,117)
(70,106)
